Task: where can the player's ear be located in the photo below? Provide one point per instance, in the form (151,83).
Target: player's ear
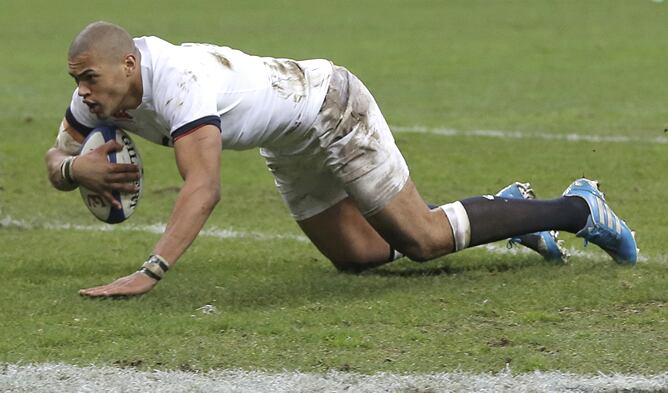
(130,63)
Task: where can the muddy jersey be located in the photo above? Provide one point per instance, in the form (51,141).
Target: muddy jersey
(255,101)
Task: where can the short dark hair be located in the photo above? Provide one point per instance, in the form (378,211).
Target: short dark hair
(105,38)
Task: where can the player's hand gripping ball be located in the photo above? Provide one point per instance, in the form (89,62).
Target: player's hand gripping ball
(129,155)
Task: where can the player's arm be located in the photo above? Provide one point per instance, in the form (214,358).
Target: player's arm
(66,169)
(67,145)
(198,159)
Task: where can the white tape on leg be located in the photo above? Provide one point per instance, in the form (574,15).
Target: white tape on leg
(459,222)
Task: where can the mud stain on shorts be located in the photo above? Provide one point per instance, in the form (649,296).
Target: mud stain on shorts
(352,125)
(354,155)
(347,107)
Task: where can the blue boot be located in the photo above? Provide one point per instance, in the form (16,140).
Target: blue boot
(603,227)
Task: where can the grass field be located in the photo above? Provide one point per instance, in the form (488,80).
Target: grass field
(536,67)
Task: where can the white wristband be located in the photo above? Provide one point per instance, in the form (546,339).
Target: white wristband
(66,170)
(155,267)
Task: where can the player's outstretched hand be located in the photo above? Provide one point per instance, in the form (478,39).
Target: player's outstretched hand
(96,173)
(135,284)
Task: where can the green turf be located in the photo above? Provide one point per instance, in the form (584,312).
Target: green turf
(595,67)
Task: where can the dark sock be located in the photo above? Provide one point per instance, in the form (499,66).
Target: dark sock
(501,218)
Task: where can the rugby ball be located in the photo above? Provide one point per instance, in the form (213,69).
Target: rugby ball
(129,155)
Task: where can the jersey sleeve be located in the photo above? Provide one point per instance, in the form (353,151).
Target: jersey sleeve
(185,101)
(79,117)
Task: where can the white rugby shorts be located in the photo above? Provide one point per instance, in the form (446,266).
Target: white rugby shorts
(352,153)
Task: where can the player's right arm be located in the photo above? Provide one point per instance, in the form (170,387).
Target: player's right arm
(91,170)
(67,145)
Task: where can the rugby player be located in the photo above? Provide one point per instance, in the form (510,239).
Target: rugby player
(324,139)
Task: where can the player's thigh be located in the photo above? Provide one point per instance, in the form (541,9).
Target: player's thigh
(322,208)
(363,156)
(343,235)
(410,226)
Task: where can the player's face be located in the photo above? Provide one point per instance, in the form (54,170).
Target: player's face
(103,84)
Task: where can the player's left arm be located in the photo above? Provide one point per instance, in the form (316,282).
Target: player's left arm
(198,159)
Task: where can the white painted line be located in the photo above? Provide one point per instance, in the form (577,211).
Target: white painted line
(58,378)
(153,228)
(659,139)
(222,233)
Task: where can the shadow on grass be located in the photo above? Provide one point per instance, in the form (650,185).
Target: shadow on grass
(453,268)
(320,283)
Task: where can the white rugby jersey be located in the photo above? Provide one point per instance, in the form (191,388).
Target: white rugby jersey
(255,101)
